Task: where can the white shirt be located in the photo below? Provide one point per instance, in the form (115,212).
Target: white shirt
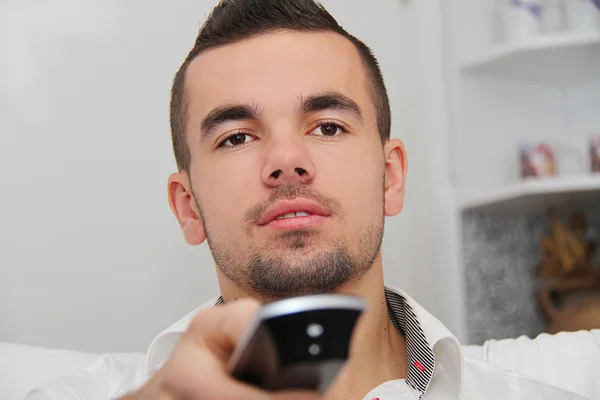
(563,366)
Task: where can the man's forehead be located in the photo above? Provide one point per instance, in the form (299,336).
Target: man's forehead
(274,68)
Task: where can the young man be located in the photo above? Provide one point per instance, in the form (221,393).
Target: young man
(281,130)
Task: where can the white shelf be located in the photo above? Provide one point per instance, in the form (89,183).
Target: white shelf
(558,60)
(538,193)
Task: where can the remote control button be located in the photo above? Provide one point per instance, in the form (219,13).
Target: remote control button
(314,330)
(314,349)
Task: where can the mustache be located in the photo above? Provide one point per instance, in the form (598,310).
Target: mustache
(288,192)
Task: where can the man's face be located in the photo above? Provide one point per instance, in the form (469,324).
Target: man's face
(281,124)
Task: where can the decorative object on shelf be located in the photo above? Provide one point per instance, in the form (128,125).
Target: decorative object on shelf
(570,160)
(522,19)
(569,278)
(583,15)
(537,160)
(565,252)
(595,153)
(554,16)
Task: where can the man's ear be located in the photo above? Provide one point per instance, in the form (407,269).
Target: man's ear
(183,205)
(396,165)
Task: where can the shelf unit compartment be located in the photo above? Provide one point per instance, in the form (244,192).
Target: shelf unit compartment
(537,193)
(558,60)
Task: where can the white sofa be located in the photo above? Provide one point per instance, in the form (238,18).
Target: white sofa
(570,361)
(24,368)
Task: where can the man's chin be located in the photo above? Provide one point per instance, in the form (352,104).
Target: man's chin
(294,272)
(299,240)
(298,250)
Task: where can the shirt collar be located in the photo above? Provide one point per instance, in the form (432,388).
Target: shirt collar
(428,341)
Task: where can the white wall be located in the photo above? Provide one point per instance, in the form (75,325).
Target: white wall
(90,256)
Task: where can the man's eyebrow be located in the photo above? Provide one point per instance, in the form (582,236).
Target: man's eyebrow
(330,101)
(226,113)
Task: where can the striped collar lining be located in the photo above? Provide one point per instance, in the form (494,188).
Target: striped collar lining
(420,360)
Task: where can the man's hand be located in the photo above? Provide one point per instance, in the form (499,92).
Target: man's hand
(198,367)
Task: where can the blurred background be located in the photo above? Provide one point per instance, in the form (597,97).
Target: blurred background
(497,101)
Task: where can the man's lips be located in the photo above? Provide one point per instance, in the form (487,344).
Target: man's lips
(314,209)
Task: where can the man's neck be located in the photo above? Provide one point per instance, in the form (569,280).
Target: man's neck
(378,351)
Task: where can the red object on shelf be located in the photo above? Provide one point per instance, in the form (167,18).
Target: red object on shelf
(537,160)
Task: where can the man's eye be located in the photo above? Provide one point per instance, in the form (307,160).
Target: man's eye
(236,139)
(328,129)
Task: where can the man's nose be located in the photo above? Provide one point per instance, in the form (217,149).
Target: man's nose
(288,162)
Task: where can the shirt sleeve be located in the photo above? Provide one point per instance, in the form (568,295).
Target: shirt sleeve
(568,360)
(106,379)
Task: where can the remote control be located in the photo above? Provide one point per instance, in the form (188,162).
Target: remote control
(297,343)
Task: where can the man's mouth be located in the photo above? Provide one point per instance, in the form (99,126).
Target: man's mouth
(299,213)
(294,215)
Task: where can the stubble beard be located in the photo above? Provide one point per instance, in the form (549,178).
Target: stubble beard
(297,268)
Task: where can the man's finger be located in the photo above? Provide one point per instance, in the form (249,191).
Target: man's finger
(198,382)
(221,328)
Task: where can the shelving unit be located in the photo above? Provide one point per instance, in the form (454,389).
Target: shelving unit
(558,60)
(541,89)
(545,89)
(537,193)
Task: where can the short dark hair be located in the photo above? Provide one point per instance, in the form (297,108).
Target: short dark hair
(234,20)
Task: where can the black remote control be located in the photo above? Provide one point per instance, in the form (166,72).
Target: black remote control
(297,343)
